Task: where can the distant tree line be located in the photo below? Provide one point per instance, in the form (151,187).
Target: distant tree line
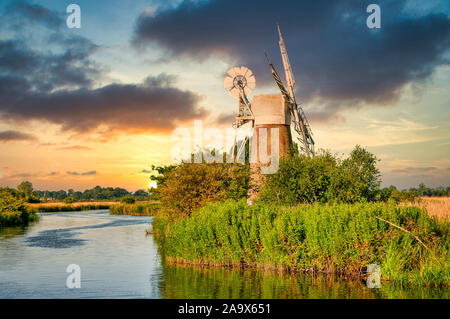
(25,190)
(393,193)
(422,190)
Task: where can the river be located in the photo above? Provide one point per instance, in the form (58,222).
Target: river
(117,259)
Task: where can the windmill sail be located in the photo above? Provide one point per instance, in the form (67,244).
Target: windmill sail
(287,66)
(301,125)
(279,82)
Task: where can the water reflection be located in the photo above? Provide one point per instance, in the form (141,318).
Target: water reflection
(12,231)
(198,282)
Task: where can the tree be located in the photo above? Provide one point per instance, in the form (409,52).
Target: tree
(69,200)
(12,209)
(322,178)
(162,175)
(356,178)
(77,196)
(190,186)
(141,192)
(128,199)
(422,190)
(300,179)
(26,188)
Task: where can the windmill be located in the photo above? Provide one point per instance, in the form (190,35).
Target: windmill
(299,120)
(239,82)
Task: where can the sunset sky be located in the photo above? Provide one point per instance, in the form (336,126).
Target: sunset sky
(97,105)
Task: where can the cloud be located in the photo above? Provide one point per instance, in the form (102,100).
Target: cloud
(225,118)
(335,57)
(74,148)
(64,63)
(82,174)
(146,171)
(20,175)
(151,105)
(416,170)
(34,13)
(48,71)
(8,136)
(57,85)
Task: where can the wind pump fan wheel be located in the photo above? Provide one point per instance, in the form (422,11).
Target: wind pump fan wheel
(237,78)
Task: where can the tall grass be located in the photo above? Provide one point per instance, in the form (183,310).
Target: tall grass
(435,206)
(12,218)
(339,238)
(66,208)
(134,209)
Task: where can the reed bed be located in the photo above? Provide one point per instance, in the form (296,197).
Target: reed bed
(63,207)
(12,218)
(435,206)
(147,209)
(338,238)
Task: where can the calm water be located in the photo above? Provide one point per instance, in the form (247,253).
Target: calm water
(118,260)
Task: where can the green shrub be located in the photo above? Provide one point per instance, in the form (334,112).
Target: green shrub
(127,200)
(69,200)
(300,179)
(323,178)
(13,210)
(186,187)
(392,194)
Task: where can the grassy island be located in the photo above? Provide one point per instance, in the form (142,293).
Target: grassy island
(330,238)
(315,214)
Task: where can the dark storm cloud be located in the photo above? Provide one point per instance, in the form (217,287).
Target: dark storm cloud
(82,174)
(58,86)
(44,59)
(7,136)
(335,57)
(34,13)
(149,106)
(48,71)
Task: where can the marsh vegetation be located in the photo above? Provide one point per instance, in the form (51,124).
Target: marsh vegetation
(321,214)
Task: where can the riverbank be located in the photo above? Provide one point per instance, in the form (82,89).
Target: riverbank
(15,218)
(339,239)
(115,208)
(63,207)
(145,209)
